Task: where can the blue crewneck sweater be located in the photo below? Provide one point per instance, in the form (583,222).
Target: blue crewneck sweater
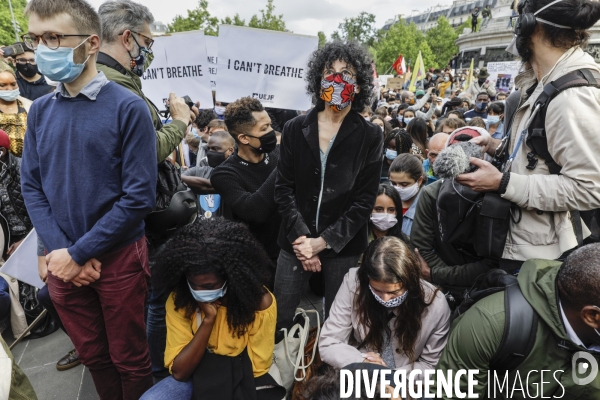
(88,173)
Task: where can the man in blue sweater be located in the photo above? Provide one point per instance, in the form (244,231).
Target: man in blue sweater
(88,177)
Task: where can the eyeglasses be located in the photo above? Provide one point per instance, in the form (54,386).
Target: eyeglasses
(148,41)
(50,39)
(23,61)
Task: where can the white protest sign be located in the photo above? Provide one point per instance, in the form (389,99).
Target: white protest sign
(384,78)
(503,74)
(180,66)
(23,264)
(267,65)
(212,52)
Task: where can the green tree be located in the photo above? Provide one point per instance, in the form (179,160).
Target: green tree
(322,39)
(7,32)
(442,41)
(361,29)
(402,39)
(236,20)
(198,18)
(461,28)
(268,19)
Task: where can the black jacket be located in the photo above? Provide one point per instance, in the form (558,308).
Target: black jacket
(13,187)
(349,188)
(33,90)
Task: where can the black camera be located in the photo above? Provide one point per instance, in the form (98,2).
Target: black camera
(167,110)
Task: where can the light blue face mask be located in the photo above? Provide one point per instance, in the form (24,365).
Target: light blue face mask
(391,154)
(208,296)
(9,95)
(194,132)
(407,120)
(58,65)
(493,119)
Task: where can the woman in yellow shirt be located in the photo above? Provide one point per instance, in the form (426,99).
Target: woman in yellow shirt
(218,313)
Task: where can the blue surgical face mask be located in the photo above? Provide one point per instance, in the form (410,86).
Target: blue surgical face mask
(493,119)
(194,132)
(208,296)
(58,65)
(391,154)
(481,105)
(9,95)
(407,120)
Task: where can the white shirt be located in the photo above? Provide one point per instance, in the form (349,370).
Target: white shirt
(571,333)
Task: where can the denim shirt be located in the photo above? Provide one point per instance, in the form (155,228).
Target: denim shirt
(408,218)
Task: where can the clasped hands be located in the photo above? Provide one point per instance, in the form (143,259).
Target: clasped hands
(62,266)
(307,250)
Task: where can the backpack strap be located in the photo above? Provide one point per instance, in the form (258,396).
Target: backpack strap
(536,136)
(520,328)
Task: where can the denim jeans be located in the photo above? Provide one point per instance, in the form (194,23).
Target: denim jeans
(156,325)
(170,389)
(291,281)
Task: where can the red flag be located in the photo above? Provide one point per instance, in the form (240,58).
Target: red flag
(399,65)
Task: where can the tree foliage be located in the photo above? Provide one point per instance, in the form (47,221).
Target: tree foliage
(442,41)
(361,29)
(7,32)
(236,20)
(198,18)
(322,38)
(461,28)
(268,19)
(403,39)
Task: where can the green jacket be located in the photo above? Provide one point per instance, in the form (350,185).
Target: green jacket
(19,387)
(486,13)
(475,337)
(451,268)
(168,136)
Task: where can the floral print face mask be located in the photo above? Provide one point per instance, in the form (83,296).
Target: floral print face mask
(338,91)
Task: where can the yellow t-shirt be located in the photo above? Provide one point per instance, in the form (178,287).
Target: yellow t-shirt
(259,340)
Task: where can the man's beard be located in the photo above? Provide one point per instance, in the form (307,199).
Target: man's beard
(524,48)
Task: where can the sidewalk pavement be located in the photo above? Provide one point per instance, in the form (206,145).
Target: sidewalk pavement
(38,357)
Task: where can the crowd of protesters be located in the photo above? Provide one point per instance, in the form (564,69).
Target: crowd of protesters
(176,248)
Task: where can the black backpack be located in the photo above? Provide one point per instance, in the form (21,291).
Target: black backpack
(520,319)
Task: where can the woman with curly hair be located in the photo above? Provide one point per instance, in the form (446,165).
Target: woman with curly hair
(328,175)
(397,320)
(218,312)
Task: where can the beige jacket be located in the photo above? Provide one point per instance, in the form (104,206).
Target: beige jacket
(572,123)
(475,88)
(343,322)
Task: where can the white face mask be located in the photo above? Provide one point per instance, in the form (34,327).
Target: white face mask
(446,79)
(384,221)
(409,192)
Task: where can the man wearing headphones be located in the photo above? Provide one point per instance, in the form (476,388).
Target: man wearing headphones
(547,192)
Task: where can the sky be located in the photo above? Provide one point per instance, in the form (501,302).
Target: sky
(301,16)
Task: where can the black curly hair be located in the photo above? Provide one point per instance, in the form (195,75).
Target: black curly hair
(238,115)
(224,248)
(204,117)
(353,54)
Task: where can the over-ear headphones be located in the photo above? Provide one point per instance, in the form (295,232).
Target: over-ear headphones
(525,24)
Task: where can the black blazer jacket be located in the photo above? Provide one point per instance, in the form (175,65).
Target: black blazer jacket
(349,188)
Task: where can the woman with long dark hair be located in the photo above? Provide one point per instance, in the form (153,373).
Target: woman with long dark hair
(397,320)
(219,311)
(396,142)
(328,175)
(384,219)
(417,129)
(408,177)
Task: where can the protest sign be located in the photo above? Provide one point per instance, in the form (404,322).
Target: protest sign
(267,65)
(180,66)
(502,74)
(212,52)
(395,83)
(23,264)
(384,78)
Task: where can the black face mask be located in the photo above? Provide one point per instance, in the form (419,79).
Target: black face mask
(215,158)
(482,81)
(268,142)
(27,70)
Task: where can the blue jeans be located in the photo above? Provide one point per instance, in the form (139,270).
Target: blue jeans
(156,325)
(291,282)
(170,389)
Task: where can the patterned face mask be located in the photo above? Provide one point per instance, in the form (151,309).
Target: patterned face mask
(395,302)
(338,91)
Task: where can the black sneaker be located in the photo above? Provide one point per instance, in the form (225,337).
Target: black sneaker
(69,361)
